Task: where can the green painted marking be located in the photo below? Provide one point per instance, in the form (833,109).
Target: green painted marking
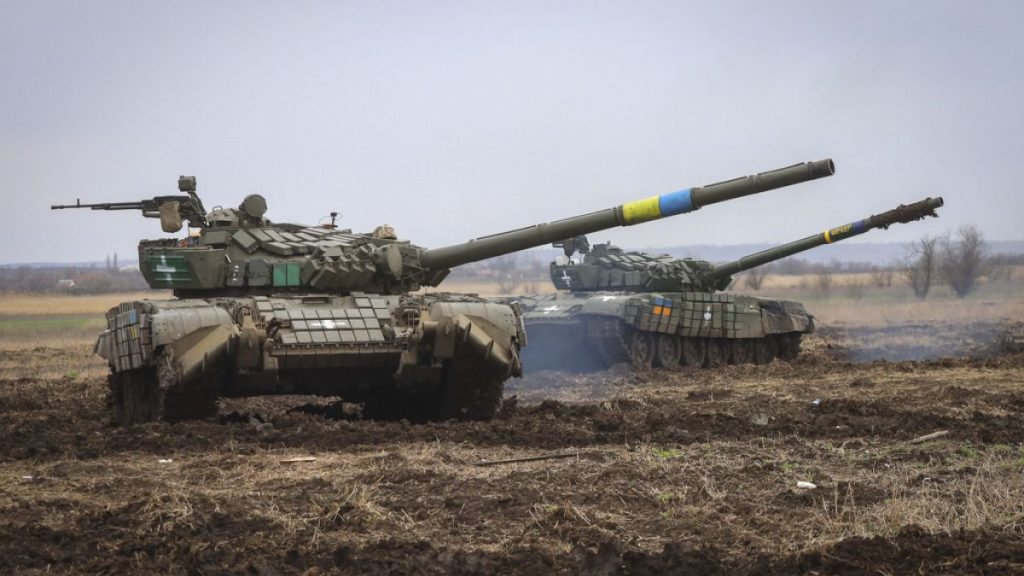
(280,275)
(292,274)
(168,270)
(287,274)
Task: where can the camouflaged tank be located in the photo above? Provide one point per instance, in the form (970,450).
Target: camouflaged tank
(275,308)
(657,310)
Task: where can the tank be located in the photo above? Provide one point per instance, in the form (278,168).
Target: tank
(655,310)
(272,308)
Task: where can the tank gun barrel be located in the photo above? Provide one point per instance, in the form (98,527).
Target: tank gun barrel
(627,214)
(901,215)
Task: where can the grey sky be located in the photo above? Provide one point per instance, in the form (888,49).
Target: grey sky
(450,120)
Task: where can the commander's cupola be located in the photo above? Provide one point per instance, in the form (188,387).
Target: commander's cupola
(248,214)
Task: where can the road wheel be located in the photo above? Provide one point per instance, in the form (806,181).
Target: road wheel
(717,354)
(669,351)
(693,352)
(742,351)
(641,349)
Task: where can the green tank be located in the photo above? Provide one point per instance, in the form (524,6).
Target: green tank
(649,309)
(274,308)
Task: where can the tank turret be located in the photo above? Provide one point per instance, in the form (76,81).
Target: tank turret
(607,267)
(656,309)
(274,308)
(240,251)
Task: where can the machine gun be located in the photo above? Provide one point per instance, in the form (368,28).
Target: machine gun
(171,210)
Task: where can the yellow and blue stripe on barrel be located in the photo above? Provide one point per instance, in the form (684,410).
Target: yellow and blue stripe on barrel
(658,207)
(845,231)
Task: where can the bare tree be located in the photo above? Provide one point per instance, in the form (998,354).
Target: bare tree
(919,265)
(755,277)
(963,260)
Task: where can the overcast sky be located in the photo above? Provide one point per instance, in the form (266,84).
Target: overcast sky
(451,120)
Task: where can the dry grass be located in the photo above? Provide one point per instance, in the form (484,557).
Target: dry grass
(64,305)
(776,281)
(57,321)
(698,457)
(955,311)
(227,497)
(50,358)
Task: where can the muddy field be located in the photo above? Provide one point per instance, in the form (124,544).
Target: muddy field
(662,472)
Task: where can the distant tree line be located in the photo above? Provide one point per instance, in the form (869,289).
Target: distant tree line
(523,265)
(800,267)
(70,280)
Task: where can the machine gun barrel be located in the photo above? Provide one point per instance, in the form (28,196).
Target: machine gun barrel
(101,206)
(652,208)
(900,215)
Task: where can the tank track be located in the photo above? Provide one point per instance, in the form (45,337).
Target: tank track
(472,391)
(469,391)
(614,342)
(158,393)
(667,350)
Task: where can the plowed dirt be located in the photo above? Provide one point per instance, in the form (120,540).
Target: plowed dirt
(686,472)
